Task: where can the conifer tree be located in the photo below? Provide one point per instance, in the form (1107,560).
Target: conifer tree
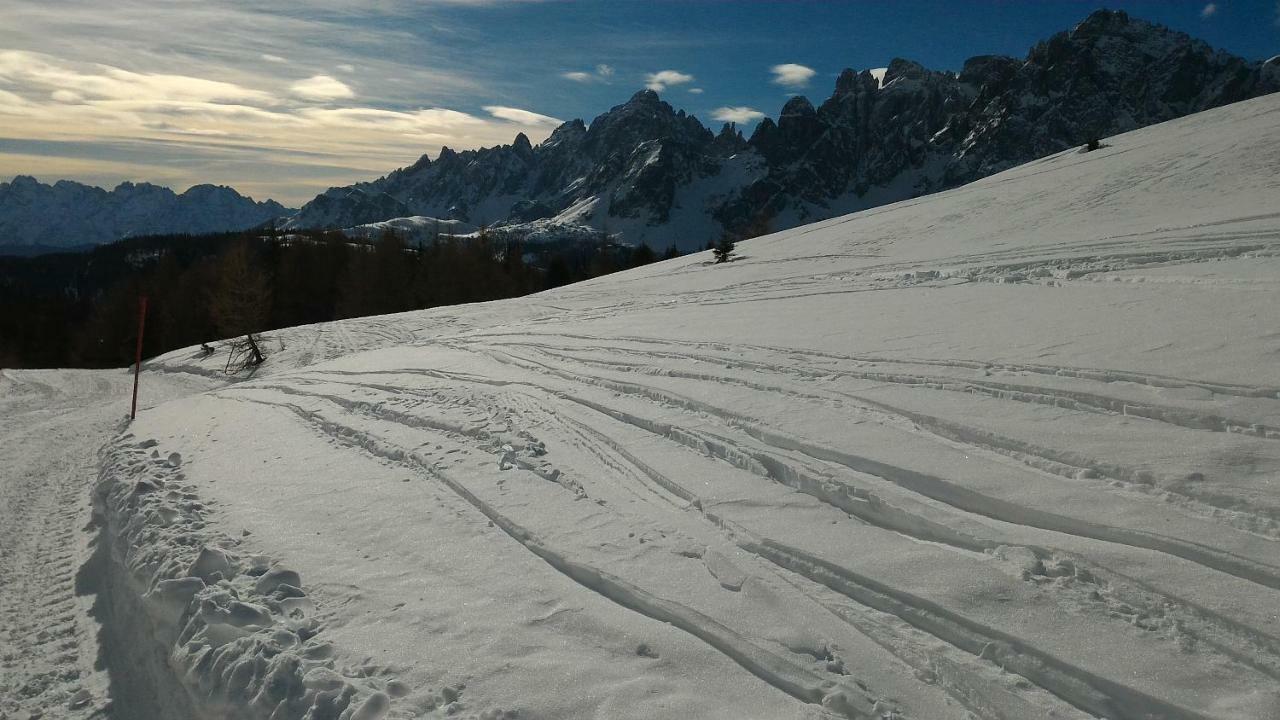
(240,302)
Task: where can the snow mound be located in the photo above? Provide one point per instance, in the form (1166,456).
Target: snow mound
(239,631)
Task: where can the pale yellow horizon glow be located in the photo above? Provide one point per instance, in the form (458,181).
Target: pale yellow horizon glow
(286,142)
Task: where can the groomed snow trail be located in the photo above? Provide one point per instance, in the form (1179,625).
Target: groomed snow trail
(1010,451)
(53,423)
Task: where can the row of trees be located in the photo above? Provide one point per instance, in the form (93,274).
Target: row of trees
(80,310)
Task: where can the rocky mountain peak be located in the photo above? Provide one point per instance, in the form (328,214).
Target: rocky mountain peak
(919,131)
(980,70)
(644,97)
(1102,22)
(851,82)
(900,68)
(796,108)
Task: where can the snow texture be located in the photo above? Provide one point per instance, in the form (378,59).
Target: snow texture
(1007,451)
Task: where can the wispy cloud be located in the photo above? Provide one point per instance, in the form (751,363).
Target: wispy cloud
(662,79)
(792,75)
(1209,10)
(273,58)
(736,114)
(524,117)
(322,87)
(284,144)
(28,69)
(695,91)
(602,73)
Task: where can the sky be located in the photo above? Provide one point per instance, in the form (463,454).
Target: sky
(284,98)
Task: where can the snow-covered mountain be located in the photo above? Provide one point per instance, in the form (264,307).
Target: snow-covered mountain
(649,173)
(67,214)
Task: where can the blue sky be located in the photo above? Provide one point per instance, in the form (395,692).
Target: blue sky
(282,98)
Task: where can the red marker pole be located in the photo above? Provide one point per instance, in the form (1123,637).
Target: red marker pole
(137,363)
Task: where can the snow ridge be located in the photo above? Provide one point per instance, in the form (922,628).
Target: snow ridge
(224,635)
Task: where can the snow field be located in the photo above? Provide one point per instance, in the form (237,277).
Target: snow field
(1009,451)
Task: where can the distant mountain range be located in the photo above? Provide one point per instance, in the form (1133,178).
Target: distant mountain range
(647,173)
(68,214)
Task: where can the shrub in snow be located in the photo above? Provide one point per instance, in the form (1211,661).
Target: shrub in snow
(723,249)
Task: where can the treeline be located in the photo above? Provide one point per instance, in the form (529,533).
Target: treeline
(80,310)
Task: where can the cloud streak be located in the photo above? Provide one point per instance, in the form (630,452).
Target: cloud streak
(524,117)
(736,114)
(234,130)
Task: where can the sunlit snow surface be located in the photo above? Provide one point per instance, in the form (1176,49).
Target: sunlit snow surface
(1011,450)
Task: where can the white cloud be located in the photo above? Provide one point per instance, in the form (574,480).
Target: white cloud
(524,117)
(27,69)
(878,74)
(321,87)
(166,100)
(602,74)
(736,114)
(659,81)
(1209,10)
(792,75)
(182,130)
(695,91)
(273,58)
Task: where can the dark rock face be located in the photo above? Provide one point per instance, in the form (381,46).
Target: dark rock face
(68,214)
(632,158)
(1109,75)
(651,173)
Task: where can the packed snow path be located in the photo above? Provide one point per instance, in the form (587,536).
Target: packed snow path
(1010,451)
(52,424)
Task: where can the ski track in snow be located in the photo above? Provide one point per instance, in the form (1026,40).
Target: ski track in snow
(1008,451)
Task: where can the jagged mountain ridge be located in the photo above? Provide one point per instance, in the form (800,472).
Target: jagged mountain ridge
(68,213)
(653,174)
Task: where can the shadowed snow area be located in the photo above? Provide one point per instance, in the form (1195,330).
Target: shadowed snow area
(1008,451)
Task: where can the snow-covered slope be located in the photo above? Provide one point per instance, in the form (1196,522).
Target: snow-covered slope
(1007,451)
(413,229)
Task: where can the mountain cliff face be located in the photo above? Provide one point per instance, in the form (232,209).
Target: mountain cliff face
(67,214)
(651,174)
